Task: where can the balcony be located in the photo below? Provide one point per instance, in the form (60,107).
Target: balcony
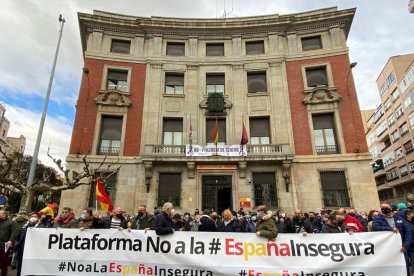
(328,149)
(177,152)
(110,151)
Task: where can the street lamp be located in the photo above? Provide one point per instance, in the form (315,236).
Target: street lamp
(43,118)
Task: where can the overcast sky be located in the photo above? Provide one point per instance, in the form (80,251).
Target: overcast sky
(381,29)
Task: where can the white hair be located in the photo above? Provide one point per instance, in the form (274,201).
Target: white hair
(166,206)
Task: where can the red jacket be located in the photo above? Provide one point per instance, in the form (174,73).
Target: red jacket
(352,223)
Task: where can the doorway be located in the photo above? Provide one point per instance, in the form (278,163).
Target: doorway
(217,192)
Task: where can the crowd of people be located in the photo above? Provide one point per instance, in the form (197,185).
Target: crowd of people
(262,221)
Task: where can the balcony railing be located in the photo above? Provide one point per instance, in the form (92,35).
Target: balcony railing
(179,150)
(330,149)
(112,151)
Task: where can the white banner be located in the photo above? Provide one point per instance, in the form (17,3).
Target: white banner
(115,252)
(214,150)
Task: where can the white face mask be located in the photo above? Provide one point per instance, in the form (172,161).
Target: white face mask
(33,220)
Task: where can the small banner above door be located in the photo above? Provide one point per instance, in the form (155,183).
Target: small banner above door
(215,150)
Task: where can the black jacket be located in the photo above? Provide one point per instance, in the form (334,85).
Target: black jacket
(106,223)
(332,227)
(206,224)
(146,221)
(295,226)
(163,224)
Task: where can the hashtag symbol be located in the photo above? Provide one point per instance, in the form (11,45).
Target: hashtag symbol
(62,266)
(214,246)
(243,272)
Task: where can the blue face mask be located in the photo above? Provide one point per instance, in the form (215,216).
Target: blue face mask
(324,219)
(254,218)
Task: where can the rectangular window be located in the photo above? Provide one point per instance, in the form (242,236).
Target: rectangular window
(265,192)
(169,189)
(334,189)
(174,83)
(255,47)
(117,80)
(175,49)
(395,136)
(110,139)
(411,119)
(392,174)
(210,126)
(215,83)
(120,46)
(256,82)
(316,76)
(172,131)
(408,147)
(324,134)
(395,94)
(259,131)
(387,104)
(399,111)
(215,49)
(404,129)
(391,120)
(390,79)
(408,100)
(108,182)
(399,153)
(311,43)
(383,89)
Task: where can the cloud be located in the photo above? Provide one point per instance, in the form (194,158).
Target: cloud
(56,133)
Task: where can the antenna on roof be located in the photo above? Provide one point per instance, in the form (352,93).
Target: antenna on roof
(227,13)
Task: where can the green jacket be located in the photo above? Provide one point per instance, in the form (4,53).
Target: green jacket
(267,226)
(8,231)
(146,221)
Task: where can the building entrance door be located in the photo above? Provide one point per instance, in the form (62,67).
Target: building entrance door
(216,192)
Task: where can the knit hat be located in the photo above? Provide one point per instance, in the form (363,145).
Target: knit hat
(401,206)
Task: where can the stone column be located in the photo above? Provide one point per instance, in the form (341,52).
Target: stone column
(292,42)
(335,35)
(139,45)
(95,41)
(237,46)
(193,46)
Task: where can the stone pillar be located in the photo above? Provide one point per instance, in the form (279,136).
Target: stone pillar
(274,41)
(335,36)
(157,45)
(96,41)
(190,169)
(292,42)
(237,46)
(139,45)
(193,46)
(242,169)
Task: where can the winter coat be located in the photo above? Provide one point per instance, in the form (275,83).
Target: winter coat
(231,226)
(267,226)
(8,230)
(206,224)
(146,221)
(247,226)
(163,224)
(106,223)
(86,223)
(332,227)
(411,226)
(298,226)
(380,224)
(351,223)
(69,222)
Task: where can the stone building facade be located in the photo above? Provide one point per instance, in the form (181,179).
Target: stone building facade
(155,88)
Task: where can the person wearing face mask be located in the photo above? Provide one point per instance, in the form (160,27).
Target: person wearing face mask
(66,219)
(86,219)
(362,220)
(265,226)
(314,222)
(21,238)
(387,221)
(298,224)
(114,221)
(350,223)
(163,221)
(143,220)
(334,224)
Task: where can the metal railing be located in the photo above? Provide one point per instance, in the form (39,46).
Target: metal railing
(112,151)
(328,149)
(179,150)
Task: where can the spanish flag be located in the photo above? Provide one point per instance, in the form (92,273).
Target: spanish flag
(102,197)
(215,133)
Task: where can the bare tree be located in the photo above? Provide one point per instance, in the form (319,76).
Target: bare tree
(14,171)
